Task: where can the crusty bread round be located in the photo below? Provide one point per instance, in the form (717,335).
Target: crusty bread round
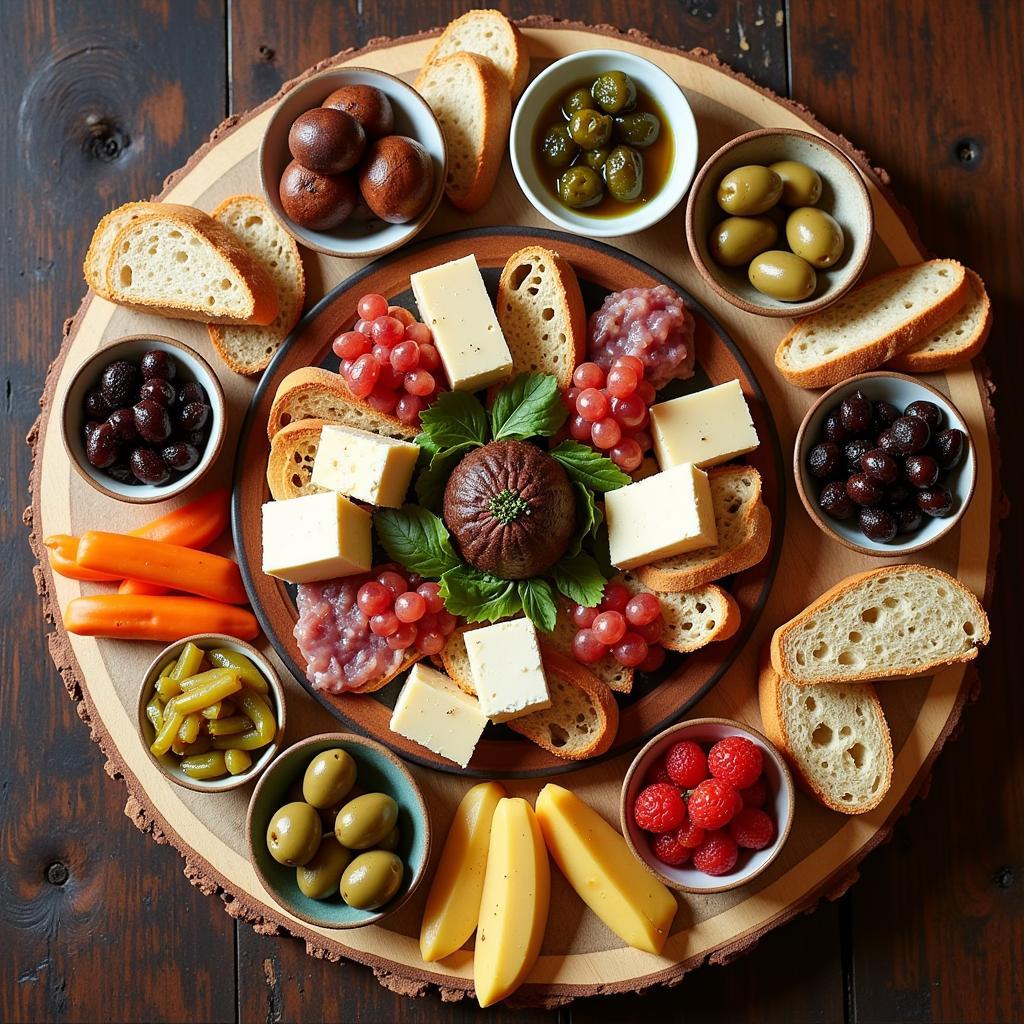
(290,463)
(95,264)
(693,618)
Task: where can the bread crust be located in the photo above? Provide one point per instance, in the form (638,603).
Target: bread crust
(521,66)
(406,664)
(280,462)
(95,263)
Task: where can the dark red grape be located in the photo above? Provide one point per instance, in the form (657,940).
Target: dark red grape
(193,415)
(825,461)
(152,422)
(911,434)
(853,452)
(180,456)
(949,447)
(908,518)
(833,430)
(888,443)
(927,411)
(121,472)
(862,490)
(101,446)
(898,494)
(148,467)
(96,406)
(123,422)
(119,383)
(855,414)
(157,363)
(159,390)
(834,501)
(885,415)
(877,524)
(192,391)
(935,501)
(921,470)
(880,466)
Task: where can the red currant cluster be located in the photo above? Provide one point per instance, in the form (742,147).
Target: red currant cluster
(389,360)
(406,612)
(626,626)
(611,411)
(706,805)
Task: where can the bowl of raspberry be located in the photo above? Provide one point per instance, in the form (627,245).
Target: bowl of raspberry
(707,805)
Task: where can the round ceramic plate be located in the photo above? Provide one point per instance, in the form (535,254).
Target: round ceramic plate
(656,700)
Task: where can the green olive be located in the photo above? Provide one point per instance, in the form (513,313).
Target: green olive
(365,821)
(801,185)
(293,834)
(614,91)
(624,174)
(578,99)
(815,236)
(638,129)
(371,880)
(737,240)
(328,779)
(749,190)
(782,275)
(580,186)
(590,128)
(557,148)
(596,158)
(320,877)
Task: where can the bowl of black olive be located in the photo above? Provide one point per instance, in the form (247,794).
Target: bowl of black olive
(143,418)
(884,464)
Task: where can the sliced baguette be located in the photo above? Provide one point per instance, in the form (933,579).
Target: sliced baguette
(290,463)
(315,393)
(744,536)
(695,618)
(871,324)
(956,341)
(834,736)
(540,309)
(95,265)
(492,35)
(472,103)
(893,622)
(608,670)
(248,350)
(179,262)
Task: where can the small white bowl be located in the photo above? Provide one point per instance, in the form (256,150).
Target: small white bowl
(569,71)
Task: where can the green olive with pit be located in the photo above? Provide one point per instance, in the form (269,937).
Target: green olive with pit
(362,823)
(293,835)
(320,877)
(748,191)
(638,129)
(577,100)
(371,880)
(614,91)
(624,174)
(596,158)
(782,275)
(801,185)
(580,187)
(329,778)
(815,236)
(590,128)
(557,148)
(737,240)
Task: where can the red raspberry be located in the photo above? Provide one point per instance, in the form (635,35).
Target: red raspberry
(737,760)
(687,764)
(716,855)
(690,835)
(713,804)
(669,850)
(755,795)
(752,829)
(658,772)
(659,808)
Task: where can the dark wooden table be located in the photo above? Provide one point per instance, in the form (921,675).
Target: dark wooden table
(101,100)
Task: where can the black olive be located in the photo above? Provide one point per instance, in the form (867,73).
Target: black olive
(834,501)
(863,490)
(119,383)
(151,421)
(898,494)
(880,466)
(855,414)
(853,452)
(888,444)
(122,473)
(877,524)
(927,411)
(885,415)
(96,406)
(911,434)
(193,415)
(157,363)
(921,470)
(825,461)
(192,391)
(180,456)
(833,430)
(158,390)
(101,446)
(935,501)
(949,447)
(148,467)
(908,518)
(123,422)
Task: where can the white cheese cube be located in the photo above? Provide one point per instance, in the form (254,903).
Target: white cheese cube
(454,304)
(507,670)
(665,514)
(433,712)
(315,537)
(706,428)
(362,465)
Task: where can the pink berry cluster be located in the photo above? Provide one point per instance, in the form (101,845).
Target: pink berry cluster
(407,612)
(624,625)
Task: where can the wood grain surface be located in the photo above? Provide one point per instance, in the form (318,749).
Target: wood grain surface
(102,101)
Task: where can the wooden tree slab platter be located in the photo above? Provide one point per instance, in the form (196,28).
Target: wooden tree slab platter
(580,955)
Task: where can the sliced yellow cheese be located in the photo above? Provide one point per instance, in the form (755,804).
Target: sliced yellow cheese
(365,466)
(598,864)
(514,903)
(453,904)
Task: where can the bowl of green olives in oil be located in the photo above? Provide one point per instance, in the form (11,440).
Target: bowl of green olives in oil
(779,222)
(604,143)
(338,831)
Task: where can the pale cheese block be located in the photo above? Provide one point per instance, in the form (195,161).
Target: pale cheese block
(508,674)
(365,466)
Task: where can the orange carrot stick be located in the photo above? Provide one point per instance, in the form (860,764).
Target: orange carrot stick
(168,565)
(138,587)
(62,552)
(166,618)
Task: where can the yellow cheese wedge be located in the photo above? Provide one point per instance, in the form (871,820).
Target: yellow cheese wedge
(453,905)
(514,904)
(597,863)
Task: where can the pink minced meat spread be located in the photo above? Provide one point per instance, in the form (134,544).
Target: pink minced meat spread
(652,324)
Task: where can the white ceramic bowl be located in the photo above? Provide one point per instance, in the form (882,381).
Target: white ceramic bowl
(361,236)
(780,806)
(558,78)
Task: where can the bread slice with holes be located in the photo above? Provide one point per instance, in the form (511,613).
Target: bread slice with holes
(95,265)
(179,262)
(834,736)
(873,323)
(618,677)
(290,463)
(248,350)
(744,536)
(893,622)
(541,312)
(472,103)
(956,341)
(492,35)
(695,618)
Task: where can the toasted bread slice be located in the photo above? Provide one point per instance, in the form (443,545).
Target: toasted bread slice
(540,309)
(695,618)
(956,341)
(492,35)
(608,670)
(744,535)
(315,393)
(455,660)
(834,736)
(180,262)
(873,323)
(893,622)
(248,350)
(404,666)
(290,463)
(95,265)
(471,101)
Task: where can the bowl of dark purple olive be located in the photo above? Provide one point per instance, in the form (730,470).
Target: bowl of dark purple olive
(884,464)
(143,418)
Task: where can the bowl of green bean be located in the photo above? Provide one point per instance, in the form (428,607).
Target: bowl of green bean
(211,712)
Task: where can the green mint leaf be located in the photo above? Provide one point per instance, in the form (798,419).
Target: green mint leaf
(417,539)
(528,406)
(478,596)
(580,579)
(587,467)
(538,603)
(426,443)
(431,482)
(455,418)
